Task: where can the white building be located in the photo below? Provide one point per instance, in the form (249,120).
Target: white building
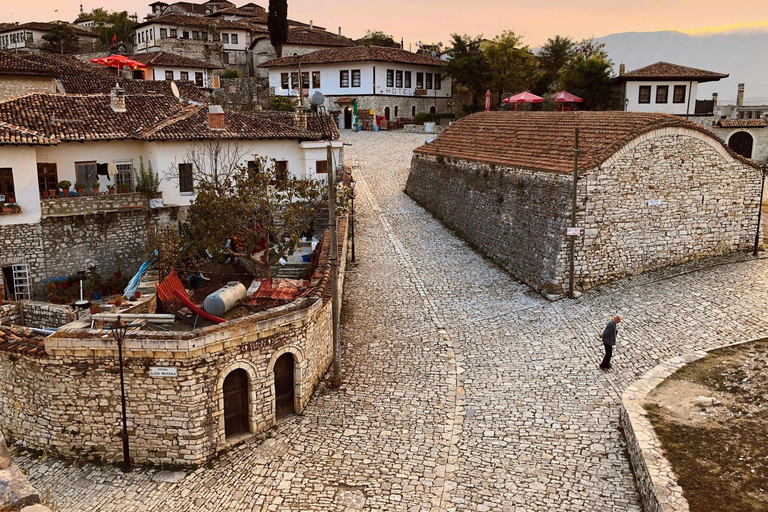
(664,88)
(28,37)
(169,67)
(396,84)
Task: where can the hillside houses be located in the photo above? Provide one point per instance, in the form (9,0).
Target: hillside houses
(28,37)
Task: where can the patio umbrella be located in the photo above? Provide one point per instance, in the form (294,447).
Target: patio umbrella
(566,97)
(119,61)
(523,97)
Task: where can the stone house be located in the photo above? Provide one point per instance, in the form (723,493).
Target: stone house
(19,76)
(170,66)
(394,83)
(48,138)
(28,37)
(653,190)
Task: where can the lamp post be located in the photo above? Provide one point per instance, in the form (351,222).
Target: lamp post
(763,171)
(352,184)
(119,331)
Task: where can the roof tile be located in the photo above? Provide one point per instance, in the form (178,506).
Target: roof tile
(357,54)
(666,70)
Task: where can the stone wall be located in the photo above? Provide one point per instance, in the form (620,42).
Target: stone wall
(404,104)
(23,243)
(703,202)
(512,216)
(42,315)
(10,313)
(15,490)
(16,85)
(243,93)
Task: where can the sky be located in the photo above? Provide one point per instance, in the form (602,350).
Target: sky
(435,20)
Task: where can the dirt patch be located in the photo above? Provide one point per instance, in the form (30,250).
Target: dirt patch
(712,419)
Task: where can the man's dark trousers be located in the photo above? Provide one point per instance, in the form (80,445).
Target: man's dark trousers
(607,359)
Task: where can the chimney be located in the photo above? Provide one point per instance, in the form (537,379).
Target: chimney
(339,30)
(117,99)
(300,117)
(216,118)
(714,100)
(311,25)
(622,69)
(740,96)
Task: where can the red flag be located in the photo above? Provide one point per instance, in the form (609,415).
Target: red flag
(114,38)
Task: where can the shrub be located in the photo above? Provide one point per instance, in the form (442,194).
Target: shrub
(147,182)
(425,117)
(65,184)
(283,103)
(231,73)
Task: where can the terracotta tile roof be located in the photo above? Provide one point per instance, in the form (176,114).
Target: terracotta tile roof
(234,11)
(302,35)
(170,59)
(18,340)
(321,278)
(316,123)
(742,123)
(357,54)
(346,99)
(665,71)
(188,91)
(543,141)
(203,22)
(46,27)
(12,134)
(16,65)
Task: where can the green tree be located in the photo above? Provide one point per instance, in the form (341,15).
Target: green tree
(468,66)
(61,39)
(512,66)
(588,48)
(552,58)
(277,23)
(377,38)
(112,26)
(590,78)
(263,209)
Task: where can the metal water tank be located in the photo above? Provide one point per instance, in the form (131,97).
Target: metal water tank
(224,299)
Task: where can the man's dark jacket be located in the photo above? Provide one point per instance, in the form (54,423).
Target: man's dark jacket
(609,335)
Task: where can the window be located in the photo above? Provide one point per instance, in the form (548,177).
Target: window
(174,33)
(305,80)
(46,177)
(284,81)
(124,178)
(224,38)
(438,81)
(281,171)
(679,94)
(6,182)
(644,95)
(407,79)
(413,111)
(195,35)
(186,184)
(397,111)
(30,37)
(294,80)
(163,33)
(662,91)
(355,78)
(399,79)
(169,75)
(321,167)
(225,58)
(315,79)
(204,35)
(390,78)
(199,78)
(419,80)
(234,39)
(429,80)
(184,75)
(344,78)
(185,35)
(254,168)
(85,174)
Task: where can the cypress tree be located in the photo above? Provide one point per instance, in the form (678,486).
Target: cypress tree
(277,23)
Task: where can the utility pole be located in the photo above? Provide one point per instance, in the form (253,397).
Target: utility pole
(301,89)
(572,238)
(334,261)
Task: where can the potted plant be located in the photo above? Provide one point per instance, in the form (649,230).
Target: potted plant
(64,186)
(110,189)
(11,199)
(16,208)
(80,187)
(45,194)
(125,188)
(7,208)
(95,186)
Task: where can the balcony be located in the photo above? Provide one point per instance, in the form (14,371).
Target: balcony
(91,205)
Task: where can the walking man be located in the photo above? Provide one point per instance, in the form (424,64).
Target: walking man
(609,340)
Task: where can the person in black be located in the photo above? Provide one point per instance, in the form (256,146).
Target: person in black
(609,340)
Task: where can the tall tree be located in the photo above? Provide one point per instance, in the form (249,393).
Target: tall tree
(277,23)
(377,38)
(467,65)
(61,39)
(512,66)
(112,26)
(589,78)
(552,57)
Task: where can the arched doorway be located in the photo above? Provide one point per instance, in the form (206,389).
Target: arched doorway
(741,143)
(397,111)
(413,111)
(348,118)
(284,386)
(386,113)
(432,110)
(235,390)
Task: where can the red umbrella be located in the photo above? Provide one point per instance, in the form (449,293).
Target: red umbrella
(524,97)
(566,97)
(119,61)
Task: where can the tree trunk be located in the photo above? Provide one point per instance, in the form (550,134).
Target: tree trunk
(279,52)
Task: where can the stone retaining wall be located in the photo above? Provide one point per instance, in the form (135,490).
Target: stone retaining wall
(15,490)
(10,314)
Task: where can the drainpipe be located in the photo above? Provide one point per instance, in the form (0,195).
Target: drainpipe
(688,107)
(763,171)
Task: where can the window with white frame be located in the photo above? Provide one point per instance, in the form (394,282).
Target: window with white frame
(124,178)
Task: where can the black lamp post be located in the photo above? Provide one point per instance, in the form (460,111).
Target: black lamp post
(352,184)
(763,171)
(119,331)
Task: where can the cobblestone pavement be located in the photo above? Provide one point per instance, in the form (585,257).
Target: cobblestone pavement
(463,390)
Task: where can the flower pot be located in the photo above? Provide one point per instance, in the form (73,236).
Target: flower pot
(97,296)
(95,310)
(90,296)
(137,294)
(111,191)
(95,191)
(79,191)
(45,194)
(7,209)
(65,191)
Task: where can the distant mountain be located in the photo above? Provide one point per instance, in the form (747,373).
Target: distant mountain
(742,55)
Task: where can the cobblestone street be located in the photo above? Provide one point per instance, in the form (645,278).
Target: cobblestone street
(463,390)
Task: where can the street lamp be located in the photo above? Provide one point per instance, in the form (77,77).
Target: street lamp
(119,331)
(352,184)
(763,171)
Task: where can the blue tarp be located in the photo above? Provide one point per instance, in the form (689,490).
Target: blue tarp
(133,284)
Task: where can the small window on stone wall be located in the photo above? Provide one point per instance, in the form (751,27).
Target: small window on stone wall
(186,184)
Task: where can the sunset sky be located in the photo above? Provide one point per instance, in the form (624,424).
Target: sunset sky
(435,20)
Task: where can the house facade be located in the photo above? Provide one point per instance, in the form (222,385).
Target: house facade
(395,84)
(653,190)
(301,41)
(28,37)
(169,67)
(43,145)
(19,76)
(663,88)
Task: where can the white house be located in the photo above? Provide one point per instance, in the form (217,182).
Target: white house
(663,87)
(169,67)
(28,37)
(396,84)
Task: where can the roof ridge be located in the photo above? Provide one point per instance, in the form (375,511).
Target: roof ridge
(185,113)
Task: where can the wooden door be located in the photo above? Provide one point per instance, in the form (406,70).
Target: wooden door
(284,397)
(236,403)
(347,118)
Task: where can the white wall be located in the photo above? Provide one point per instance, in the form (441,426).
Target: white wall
(633,94)
(158,73)
(22,160)
(330,79)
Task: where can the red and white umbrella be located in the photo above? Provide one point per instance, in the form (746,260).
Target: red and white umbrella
(566,97)
(524,97)
(119,61)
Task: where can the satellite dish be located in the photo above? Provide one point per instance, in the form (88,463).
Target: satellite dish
(175,90)
(317,99)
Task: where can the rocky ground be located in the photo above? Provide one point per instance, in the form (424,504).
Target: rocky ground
(463,390)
